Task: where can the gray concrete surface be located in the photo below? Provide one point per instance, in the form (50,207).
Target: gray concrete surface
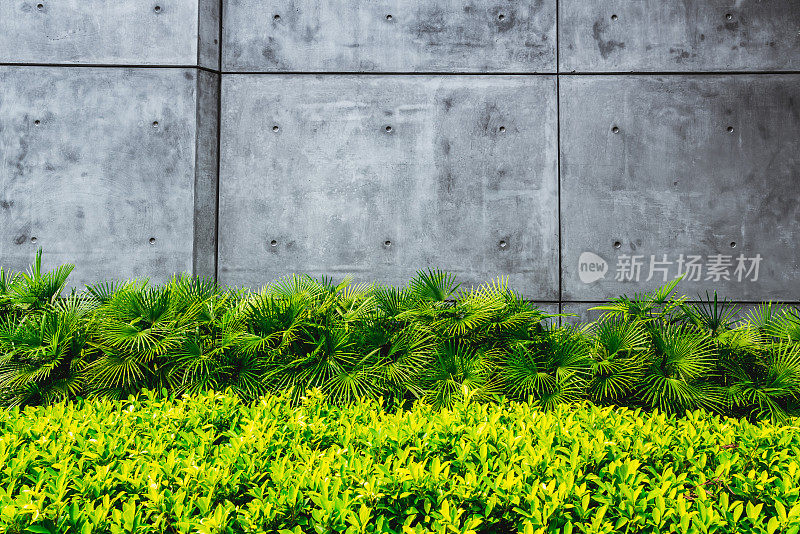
(680,36)
(87,175)
(206,174)
(104,32)
(381,176)
(208,34)
(675,181)
(390,36)
(93,180)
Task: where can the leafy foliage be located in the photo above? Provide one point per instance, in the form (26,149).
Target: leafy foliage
(209,463)
(432,340)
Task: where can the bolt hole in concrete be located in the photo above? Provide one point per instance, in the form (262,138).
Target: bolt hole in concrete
(387,243)
(34,240)
(503,244)
(502,129)
(37,122)
(388,129)
(501,17)
(617,244)
(729,16)
(40,6)
(152,240)
(155,124)
(730,129)
(389,17)
(273,243)
(615,130)
(614,17)
(733,244)
(275,128)
(276,17)
(157,9)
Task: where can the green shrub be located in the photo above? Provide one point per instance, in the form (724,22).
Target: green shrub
(209,463)
(431,340)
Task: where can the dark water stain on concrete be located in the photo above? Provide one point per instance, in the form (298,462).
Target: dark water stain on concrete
(269,55)
(447,182)
(445,147)
(310,34)
(680,54)
(485,119)
(22,155)
(763,132)
(430,25)
(606,47)
(793,109)
(732,26)
(72,156)
(6,204)
(270,52)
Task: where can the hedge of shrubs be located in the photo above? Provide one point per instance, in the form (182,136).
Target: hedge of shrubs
(210,463)
(431,340)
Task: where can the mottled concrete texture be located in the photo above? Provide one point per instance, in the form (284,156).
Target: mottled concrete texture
(682,36)
(676,129)
(700,165)
(390,36)
(379,176)
(95,163)
(578,313)
(106,32)
(206,174)
(208,34)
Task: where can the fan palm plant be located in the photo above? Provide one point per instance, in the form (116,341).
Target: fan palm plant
(766,383)
(661,305)
(712,315)
(208,357)
(457,373)
(34,289)
(785,325)
(137,334)
(8,279)
(678,369)
(619,349)
(43,355)
(552,369)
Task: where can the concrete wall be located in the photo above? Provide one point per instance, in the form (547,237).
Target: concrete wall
(109,136)
(583,148)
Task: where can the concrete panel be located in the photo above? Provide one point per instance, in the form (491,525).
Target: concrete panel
(549,308)
(379,176)
(685,36)
(390,36)
(702,169)
(155,32)
(95,163)
(208,34)
(206,174)
(582,312)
